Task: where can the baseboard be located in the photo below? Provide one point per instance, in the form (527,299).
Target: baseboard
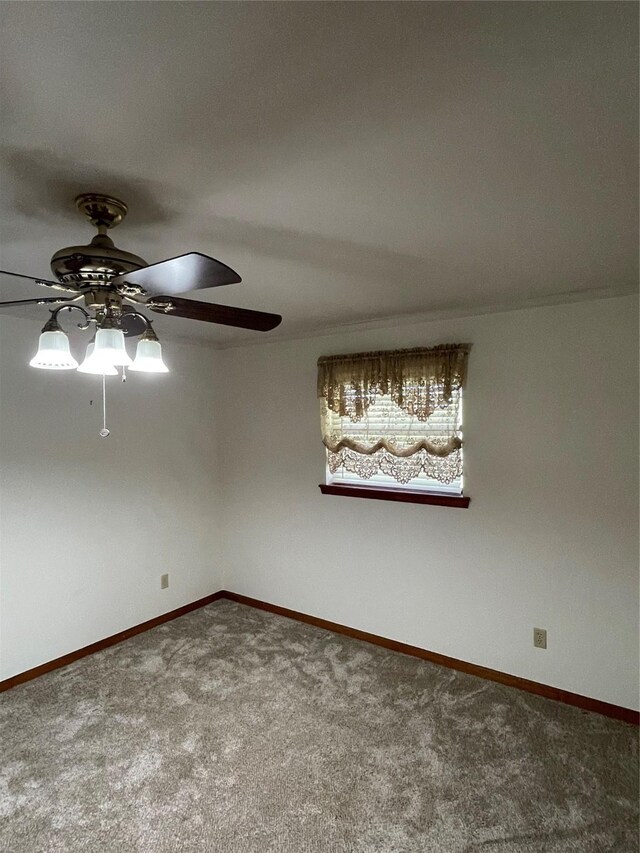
(586,703)
(628,715)
(98,646)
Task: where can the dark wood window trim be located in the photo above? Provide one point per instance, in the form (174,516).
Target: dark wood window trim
(374,493)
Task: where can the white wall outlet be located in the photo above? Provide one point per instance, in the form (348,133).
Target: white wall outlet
(540,638)
(164,581)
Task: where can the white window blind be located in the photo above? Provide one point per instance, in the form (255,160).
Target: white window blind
(418,471)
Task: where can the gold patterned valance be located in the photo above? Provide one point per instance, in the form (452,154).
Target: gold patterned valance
(419,380)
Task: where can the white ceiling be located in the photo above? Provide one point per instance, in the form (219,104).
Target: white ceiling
(352,161)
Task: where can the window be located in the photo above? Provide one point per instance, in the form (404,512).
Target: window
(393,420)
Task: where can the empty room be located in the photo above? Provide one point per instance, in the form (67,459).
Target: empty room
(319,427)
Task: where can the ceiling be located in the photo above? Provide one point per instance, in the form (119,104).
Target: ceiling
(353,161)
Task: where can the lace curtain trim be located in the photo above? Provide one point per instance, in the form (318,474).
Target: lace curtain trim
(433,448)
(419,380)
(403,470)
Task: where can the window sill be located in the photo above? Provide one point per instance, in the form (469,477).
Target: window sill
(396,495)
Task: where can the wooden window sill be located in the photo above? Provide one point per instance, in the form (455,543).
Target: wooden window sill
(378,494)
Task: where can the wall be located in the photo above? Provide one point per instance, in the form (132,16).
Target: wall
(215,481)
(88,525)
(550,538)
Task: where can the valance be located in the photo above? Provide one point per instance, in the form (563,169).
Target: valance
(418,380)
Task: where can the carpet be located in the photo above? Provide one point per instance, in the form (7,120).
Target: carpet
(236,731)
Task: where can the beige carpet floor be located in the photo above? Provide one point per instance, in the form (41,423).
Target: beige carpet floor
(235,731)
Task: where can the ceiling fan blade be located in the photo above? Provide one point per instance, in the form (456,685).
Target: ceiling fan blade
(131,323)
(55,285)
(44,300)
(226,315)
(192,271)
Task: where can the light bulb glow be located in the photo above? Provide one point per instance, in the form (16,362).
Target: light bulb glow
(93,365)
(53,352)
(109,350)
(149,358)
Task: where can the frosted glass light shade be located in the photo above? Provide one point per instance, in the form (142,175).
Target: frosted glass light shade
(53,352)
(149,358)
(93,365)
(109,349)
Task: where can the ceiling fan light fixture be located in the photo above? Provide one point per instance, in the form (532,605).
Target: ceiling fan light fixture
(109,350)
(94,366)
(53,352)
(149,355)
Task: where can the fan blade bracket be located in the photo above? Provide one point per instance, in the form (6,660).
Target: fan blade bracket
(43,300)
(55,285)
(131,291)
(164,306)
(43,282)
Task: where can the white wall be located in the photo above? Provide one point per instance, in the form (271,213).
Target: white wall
(211,473)
(88,525)
(550,539)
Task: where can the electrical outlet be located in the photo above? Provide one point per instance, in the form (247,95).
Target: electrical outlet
(164,581)
(540,638)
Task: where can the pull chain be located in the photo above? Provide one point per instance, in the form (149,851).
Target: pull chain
(104,432)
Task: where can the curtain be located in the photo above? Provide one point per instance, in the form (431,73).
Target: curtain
(396,412)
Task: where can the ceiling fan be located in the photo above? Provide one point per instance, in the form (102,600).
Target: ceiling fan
(111,280)
(113,283)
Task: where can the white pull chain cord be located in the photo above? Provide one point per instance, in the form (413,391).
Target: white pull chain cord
(104,432)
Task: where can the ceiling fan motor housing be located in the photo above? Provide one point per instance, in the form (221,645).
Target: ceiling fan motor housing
(100,260)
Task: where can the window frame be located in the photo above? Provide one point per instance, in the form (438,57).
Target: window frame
(397,495)
(399,375)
